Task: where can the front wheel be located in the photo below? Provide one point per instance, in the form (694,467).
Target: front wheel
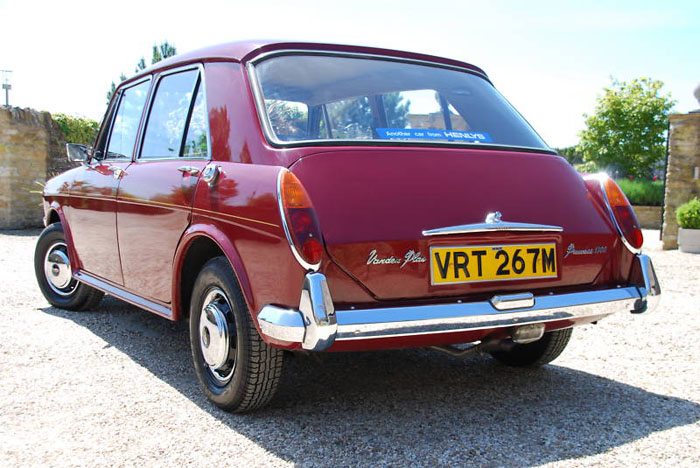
(236,369)
(55,275)
(538,353)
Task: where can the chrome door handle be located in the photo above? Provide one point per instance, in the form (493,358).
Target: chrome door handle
(117,172)
(191,170)
(210,174)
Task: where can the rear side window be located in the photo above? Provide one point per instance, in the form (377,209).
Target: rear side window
(126,122)
(177,122)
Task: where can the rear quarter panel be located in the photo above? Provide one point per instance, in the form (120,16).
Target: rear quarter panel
(242,207)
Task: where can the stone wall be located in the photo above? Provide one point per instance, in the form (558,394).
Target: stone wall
(649,216)
(683,158)
(31,151)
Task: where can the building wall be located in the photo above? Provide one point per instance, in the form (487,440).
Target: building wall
(31,150)
(683,158)
(649,216)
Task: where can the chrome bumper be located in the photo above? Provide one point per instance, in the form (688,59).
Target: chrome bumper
(316,325)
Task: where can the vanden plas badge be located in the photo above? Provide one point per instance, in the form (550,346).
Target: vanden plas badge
(409,257)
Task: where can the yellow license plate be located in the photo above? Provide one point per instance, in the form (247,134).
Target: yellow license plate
(462,264)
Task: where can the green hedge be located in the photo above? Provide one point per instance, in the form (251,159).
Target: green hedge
(77,129)
(643,192)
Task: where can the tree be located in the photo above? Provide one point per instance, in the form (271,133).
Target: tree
(160,51)
(163,51)
(626,133)
(571,154)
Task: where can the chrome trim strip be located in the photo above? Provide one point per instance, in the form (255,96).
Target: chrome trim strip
(317,325)
(491,227)
(600,177)
(120,293)
(285,226)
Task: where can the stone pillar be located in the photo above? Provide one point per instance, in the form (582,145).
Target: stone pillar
(681,184)
(29,142)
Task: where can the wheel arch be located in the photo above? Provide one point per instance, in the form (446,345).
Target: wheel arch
(199,244)
(54,214)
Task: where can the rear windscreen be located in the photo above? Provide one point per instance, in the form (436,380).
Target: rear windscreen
(308,98)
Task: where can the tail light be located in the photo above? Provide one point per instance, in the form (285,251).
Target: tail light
(620,210)
(300,222)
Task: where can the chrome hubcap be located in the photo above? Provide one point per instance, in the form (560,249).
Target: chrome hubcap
(217,335)
(57,269)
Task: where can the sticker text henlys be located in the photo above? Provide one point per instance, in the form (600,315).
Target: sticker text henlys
(422,134)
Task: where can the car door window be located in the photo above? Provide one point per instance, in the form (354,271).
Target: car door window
(196,142)
(168,116)
(126,122)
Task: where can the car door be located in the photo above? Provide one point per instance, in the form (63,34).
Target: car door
(92,214)
(156,193)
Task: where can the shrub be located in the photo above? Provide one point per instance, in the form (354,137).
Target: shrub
(688,214)
(643,192)
(77,129)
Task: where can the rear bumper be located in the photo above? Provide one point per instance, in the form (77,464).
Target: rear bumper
(316,325)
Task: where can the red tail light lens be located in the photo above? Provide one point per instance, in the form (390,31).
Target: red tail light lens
(301,223)
(624,213)
(621,210)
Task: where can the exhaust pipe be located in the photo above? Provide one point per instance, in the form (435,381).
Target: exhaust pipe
(521,335)
(528,333)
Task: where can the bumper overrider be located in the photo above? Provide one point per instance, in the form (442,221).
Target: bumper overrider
(316,325)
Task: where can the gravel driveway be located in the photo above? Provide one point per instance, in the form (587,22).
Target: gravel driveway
(115,387)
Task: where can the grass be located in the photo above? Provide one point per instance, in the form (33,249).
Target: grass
(643,192)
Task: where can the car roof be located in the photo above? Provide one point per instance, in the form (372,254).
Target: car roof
(245,51)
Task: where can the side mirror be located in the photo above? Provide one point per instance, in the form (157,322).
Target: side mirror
(78,153)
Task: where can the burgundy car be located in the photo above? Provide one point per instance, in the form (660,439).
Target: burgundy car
(314,197)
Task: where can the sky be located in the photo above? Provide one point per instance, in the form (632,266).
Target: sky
(550,59)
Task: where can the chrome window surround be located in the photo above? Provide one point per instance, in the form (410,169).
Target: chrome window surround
(287,231)
(273,140)
(201,81)
(316,325)
(600,177)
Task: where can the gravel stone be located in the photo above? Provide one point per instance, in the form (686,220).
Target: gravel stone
(115,387)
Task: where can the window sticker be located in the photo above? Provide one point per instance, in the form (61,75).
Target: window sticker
(421,134)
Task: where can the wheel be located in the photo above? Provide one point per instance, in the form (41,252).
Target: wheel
(538,353)
(236,369)
(54,275)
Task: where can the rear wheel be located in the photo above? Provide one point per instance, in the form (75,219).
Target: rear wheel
(236,369)
(55,275)
(538,353)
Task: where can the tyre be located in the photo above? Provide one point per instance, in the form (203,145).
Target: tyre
(236,369)
(54,274)
(538,353)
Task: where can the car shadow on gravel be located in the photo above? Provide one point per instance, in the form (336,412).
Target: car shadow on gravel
(30,232)
(403,407)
